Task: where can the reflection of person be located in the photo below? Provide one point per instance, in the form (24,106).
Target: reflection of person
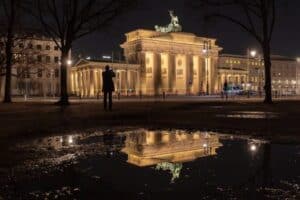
(108,86)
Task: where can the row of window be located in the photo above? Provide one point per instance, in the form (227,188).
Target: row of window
(38,47)
(239,62)
(27,73)
(47,59)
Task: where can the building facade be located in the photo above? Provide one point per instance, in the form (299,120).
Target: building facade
(36,67)
(86,78)
(248,73)
(184,64)
(173,62)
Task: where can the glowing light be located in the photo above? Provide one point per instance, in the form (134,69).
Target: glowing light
(69,62)
(204,50)
(298,59)
(253,53)
(88,58)
(106,57)
(204,145)
(253,147)
(61,140)
(70,140)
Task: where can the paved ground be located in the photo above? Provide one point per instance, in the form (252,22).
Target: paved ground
(279,122)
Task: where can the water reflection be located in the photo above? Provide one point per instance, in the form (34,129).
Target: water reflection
(167,150)
(250,115)
(141,162)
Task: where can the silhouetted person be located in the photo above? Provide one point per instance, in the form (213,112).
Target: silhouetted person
(225,88)
(108,86)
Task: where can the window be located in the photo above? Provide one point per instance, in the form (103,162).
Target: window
(39,58)
(40,73)
(56,48)
(47,47)
(56,59)
(21,45)
(149,70)
(30,46)
(39,47)
(56,73)
(48,59)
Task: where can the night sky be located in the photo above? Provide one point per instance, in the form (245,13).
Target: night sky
(286,39)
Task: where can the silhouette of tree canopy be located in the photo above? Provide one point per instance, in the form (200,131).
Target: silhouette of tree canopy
(65,21)
(258,20)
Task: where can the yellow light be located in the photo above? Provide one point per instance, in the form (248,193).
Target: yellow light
(253,53)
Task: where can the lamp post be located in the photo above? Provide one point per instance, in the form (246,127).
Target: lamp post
(252,54)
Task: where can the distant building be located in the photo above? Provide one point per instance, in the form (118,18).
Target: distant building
(248,73)
(86,77)
(36,66)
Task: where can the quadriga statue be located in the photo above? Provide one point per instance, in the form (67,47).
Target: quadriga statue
(174,26)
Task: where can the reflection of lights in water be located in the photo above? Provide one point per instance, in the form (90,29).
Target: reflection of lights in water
(70,140)
(253,147)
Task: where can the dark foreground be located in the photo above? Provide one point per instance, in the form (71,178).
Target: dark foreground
(150,150)
(278,122)
(148,164)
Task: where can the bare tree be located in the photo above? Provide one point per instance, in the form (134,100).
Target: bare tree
(9,10)
(65,21)
(258,20)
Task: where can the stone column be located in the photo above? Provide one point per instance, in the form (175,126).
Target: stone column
(92,83)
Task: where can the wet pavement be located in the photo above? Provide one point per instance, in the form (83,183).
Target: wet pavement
(149,164)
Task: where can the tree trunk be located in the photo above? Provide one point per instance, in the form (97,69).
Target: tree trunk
(8,52)
(268,64)
(64,98)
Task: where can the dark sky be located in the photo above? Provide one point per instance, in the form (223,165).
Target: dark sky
(286,40)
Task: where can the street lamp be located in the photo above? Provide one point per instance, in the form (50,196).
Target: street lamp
(69,62)
(251,53)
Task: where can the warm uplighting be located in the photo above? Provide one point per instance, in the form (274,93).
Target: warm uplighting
(204,50)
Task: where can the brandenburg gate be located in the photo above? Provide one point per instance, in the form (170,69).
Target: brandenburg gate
(173,62)
(164,60)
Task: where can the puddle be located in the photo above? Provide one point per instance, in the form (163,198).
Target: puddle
(250,115)
(144,164)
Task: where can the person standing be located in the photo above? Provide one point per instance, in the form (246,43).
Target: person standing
(108,86)
(225,89)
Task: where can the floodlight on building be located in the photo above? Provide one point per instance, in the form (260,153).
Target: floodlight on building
(70,140)
(253,53)
(106,57)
